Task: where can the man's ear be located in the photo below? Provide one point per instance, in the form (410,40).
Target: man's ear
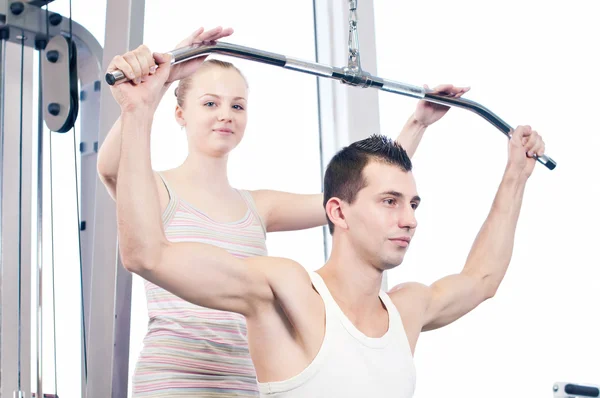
(335,211)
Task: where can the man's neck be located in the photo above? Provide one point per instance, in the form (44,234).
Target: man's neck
(354,283)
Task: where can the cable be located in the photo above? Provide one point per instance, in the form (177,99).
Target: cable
(78,215)
(52,237)
(320,119)
(53,283)
(19,261)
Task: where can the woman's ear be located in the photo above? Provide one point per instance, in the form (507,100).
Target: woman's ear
(335,212)
(179,116)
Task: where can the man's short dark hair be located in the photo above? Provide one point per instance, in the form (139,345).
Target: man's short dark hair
(344,175)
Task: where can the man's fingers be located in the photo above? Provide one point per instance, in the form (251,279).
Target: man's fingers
(144,57)
(144,65)
(519,133)
(541,149)
(119,63)
(160,58)
(151,63)
(132,60)
(530,142)
(535,145)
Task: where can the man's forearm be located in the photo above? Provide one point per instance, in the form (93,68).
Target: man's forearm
(138,207)
(110,151)
(492,250)
(410,136)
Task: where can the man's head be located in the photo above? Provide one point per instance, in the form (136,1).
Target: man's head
(370,198)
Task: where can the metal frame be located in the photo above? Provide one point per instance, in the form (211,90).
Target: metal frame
(2,96)
(31,22)
(11,330)
(89,126)
(108,343)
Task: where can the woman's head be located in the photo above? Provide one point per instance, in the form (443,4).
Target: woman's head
(211,105)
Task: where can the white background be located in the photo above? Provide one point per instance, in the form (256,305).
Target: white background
(530,62)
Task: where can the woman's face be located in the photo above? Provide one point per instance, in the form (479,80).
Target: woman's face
(214,113)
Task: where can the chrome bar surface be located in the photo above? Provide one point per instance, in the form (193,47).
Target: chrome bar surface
(487,115)
(311,68)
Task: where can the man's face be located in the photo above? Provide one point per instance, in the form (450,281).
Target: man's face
(381,221)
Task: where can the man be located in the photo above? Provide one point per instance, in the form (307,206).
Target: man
(332,333)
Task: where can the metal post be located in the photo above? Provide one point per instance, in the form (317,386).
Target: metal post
(16,369)
(108,343)
(40,207)
(347,113)
(89,116)
(28,20)
(2,83)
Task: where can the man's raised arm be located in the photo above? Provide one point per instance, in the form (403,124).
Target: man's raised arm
(202,274)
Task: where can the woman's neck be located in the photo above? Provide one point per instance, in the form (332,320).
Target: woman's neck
(206,171)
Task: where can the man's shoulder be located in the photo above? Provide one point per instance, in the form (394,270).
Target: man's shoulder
(281,272)
(410,297)
(293,292)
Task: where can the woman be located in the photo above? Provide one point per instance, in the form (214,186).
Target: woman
(189,350)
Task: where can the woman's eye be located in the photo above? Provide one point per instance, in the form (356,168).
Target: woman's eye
(238,107)
(210,103)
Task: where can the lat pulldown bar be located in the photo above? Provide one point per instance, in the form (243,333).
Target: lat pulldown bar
(352,75)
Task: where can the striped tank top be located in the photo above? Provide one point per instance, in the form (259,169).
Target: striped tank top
(194,351)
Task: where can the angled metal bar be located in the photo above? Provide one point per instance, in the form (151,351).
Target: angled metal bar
(344,75)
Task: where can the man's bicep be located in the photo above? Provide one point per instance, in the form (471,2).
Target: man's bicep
(211,277)
(451,298)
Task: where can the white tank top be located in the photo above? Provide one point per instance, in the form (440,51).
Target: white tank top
(350,364)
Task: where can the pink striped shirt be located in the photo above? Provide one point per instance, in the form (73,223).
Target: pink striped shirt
(194,351)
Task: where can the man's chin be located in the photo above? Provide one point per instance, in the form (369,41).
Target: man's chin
(392,262)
